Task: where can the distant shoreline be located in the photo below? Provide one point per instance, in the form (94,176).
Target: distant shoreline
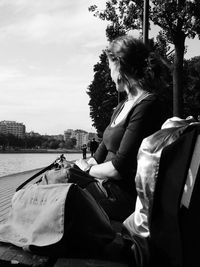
(62,151)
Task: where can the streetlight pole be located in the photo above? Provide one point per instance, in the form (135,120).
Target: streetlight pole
(146,21)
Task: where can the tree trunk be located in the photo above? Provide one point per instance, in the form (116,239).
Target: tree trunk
(179,46)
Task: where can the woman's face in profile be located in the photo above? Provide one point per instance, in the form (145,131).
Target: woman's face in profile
(115,75)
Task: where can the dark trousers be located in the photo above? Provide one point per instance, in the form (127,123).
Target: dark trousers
(118,204)
(84,154)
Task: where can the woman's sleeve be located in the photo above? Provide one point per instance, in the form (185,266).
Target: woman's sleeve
(101,153)
(143,122)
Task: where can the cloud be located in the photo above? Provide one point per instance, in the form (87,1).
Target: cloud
(39,98)
(7,74)
(49,22)
(48,50)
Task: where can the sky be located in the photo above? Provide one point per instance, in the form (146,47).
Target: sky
(47,52)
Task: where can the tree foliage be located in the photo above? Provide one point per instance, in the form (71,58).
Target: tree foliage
(8,141)
(123,15)
(176,17)
(178,20)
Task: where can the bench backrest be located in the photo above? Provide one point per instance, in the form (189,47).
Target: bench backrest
(175,220)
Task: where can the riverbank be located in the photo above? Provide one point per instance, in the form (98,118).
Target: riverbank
(62,151)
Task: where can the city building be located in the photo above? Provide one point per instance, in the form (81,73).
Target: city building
(68,134)
(12,127)
(81,138)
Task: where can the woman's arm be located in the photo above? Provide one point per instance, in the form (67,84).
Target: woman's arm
(101,153)
(101,171)
(104,170)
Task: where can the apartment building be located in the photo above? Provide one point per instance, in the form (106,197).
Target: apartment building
(12,127)
(68,134)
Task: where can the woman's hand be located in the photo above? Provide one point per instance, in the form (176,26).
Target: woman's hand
(92,161)
(82,164)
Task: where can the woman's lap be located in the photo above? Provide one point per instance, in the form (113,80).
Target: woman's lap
(117,203)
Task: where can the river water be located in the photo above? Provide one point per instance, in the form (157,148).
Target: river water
(11,163)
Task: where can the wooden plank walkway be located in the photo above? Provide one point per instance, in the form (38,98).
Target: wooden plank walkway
(8,185)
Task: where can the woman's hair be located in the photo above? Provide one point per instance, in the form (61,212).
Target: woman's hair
(136,60)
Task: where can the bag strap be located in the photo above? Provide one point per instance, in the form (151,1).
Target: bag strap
(52,165)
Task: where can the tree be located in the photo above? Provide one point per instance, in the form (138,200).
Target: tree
(53,144)
(74,141)
(70,143)
(123,15)
(178,20)
(33,141)
(61,144)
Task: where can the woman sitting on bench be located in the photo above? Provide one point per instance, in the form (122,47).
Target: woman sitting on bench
(139,73)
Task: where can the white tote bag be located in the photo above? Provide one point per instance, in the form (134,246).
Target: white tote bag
(36,216)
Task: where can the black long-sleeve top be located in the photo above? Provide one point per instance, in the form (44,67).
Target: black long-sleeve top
(121,142)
